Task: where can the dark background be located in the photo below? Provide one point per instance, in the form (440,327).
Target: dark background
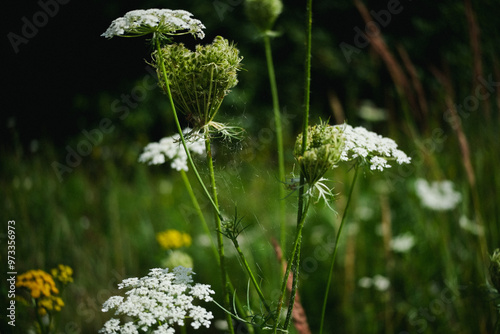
(53,87)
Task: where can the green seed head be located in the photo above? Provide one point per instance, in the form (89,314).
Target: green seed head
(199,80)
(263,13)
(322,152)
(495,269)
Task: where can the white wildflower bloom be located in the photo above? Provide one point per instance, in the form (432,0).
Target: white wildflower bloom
(470,225)
(162,21)
(437,195)
(370,148)
(381,283)
(171,148)
(365,282)
(159,301)
(111,326)
(402,243)
(112,303)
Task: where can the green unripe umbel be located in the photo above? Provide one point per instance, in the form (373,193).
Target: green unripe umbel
(324,147)
(495,269)
(263,13)
(199,80)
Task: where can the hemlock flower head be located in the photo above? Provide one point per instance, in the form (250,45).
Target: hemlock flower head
(379,282)
(470,225)
(371,149)
(437,195)
(402,243)
(199,80)
(156,21)
(171,148)
(158,302)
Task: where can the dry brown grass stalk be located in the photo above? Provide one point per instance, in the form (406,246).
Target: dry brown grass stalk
(475,42)
(417,84)
(378,44)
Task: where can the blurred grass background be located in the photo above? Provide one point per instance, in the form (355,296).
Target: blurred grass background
(102,218)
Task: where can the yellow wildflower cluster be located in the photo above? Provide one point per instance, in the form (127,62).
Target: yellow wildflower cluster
(63,274)
(171,239)
(42,287)
(38,282)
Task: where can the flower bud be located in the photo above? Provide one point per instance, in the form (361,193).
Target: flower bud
(263,13)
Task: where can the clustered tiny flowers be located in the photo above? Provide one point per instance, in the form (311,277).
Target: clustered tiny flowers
(161,21)
(158,302)
(171,148)
(437,195)
(328,145)
(370,148)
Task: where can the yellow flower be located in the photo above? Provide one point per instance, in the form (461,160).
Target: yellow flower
(38,282)
(63,274)
(171,239)
(51,303)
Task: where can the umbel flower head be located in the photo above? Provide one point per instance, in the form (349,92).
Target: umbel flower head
(199,80)
(159,301)
(171,148)
(160,22)
(437,195)
(328,145)
(370,149)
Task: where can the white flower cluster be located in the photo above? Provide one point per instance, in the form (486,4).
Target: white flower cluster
(438,195)
(164,21)
(371,148)
(159,300)
(379,282)
(402,243)
(171,148)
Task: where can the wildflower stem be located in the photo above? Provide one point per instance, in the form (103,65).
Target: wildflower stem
(356,168)
(302,209)
(250,273)
(290,263)
(220,240)
(279,138)
(307,81)
(179,129)
(197,207)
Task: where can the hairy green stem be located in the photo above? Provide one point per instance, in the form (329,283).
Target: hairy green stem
(220,240)
(206,228)
(302,209)
(290,263)
(356,168)
(197,208)
(279,139)
(179,129)
(307,70)
(295,282)
(250,273)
